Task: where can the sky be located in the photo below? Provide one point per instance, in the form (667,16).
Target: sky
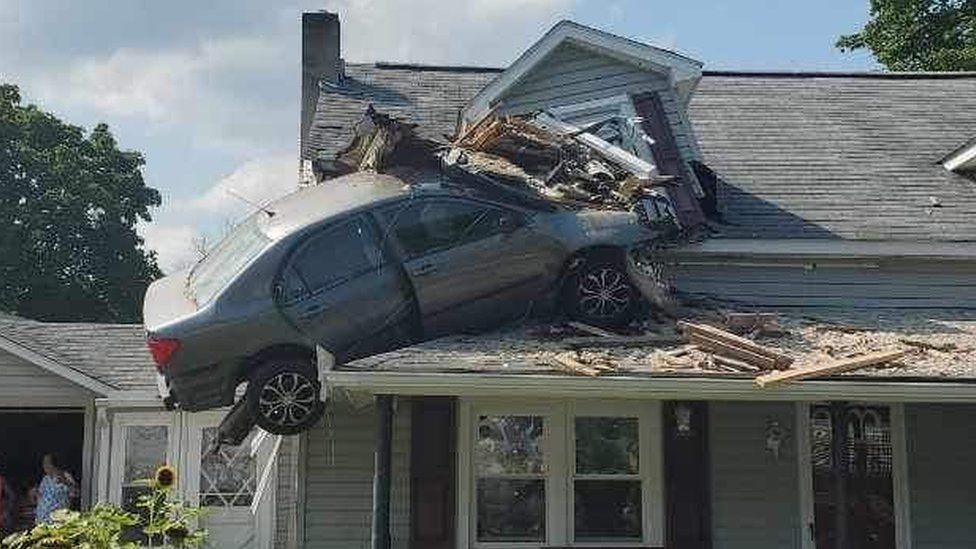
(209,90)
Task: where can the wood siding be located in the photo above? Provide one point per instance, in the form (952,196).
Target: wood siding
(23,384)
(571,74)
(908,285)
(339,479)
(941,445)
(755,499)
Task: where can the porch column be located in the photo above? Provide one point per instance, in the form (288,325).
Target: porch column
(382,472)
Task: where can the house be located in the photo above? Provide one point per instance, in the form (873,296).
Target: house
(842,196)
(88,393)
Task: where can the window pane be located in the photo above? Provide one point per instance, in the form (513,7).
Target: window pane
(227,477)
(511,510)
(428,226)
(607,446)
(145,451)
(608,509)
(338,255)
(509,445)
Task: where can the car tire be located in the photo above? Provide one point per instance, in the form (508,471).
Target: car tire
(283,396)
(601,293)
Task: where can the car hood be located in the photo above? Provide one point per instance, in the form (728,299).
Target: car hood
(166,302)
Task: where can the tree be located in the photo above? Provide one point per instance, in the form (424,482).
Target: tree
(69,204)
(919,35)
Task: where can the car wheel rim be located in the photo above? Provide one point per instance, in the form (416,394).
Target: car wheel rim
(287,399)
(604,293)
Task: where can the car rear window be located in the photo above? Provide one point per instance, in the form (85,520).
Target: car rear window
(225,260)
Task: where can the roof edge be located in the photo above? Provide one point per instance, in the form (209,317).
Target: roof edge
(867,75)
(45,362)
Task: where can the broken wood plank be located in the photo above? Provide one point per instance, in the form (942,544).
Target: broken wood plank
(635,165)
(719,347)
(830,368)
(647,340)
(737,364)
(568,362)
(941,347)
(781,360)
(592,330)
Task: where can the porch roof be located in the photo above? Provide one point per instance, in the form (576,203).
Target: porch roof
(943,345)
(114,355)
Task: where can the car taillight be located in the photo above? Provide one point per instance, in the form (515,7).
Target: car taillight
(162,349)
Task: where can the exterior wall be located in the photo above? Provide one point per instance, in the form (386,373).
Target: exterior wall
(806,283)
(755,497)
(941,445)
(286,494)
(23,384)
(571,74)
(339,479)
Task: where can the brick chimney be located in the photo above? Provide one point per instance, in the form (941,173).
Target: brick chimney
(320,63)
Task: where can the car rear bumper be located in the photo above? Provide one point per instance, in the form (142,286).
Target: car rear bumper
(205,388)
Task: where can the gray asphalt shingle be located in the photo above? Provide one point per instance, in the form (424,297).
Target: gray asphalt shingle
(799,155)
(114,354)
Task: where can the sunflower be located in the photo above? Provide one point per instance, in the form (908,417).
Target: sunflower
(165,477)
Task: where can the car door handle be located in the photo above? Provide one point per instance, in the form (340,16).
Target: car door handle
(424,269)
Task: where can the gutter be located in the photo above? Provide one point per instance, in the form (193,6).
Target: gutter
(632,387)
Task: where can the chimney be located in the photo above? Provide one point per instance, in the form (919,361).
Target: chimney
(320,62)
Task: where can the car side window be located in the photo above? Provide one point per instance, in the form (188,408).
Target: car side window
(332,257)
(426,226)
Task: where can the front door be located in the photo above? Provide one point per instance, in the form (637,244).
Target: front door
(341,289)
(853,476)
(471,264)
(224,484)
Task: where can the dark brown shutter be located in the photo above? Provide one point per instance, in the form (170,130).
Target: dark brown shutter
(432,459)
(686,478)
(667,157)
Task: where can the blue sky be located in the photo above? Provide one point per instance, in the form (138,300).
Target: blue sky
(208,91)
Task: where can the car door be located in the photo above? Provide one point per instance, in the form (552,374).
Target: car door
(343,290)
(472,264)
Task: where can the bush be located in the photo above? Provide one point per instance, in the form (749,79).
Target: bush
(167,523)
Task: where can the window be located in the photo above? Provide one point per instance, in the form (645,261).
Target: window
(218,267)
(146,448)
(227,476)
(335,256)
(561,473)
(424,226)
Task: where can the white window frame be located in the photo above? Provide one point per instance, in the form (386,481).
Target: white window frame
(120,423)
(559,452)
(899,473)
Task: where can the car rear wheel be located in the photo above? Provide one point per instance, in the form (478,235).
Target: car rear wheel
(601,293)
(283,396)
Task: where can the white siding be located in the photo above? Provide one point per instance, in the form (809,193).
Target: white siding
(339,479)
(571,74)
(23,384)
(906,285)
(755,499)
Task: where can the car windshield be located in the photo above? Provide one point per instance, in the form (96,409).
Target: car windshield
(218,267)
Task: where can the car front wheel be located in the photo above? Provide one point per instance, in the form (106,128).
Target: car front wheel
(602,294)
(283,397)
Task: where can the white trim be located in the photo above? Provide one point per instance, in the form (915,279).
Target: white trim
(900,477)
(832,249)
(56,368)
(559,458)
(88,456)
(676,66)
(962,159)
(663,388)
(805,475)
(120,422)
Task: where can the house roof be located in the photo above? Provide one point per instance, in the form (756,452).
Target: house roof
(800,155)
(943,345)
(114,355)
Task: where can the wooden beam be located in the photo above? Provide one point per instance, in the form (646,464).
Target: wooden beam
(647,340)
(722,348)
(835,367)
(592,330)
(781,360)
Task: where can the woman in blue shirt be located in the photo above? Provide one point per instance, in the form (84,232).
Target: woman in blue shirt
(56,491)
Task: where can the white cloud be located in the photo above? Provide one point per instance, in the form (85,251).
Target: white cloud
(259,181)
(175,245)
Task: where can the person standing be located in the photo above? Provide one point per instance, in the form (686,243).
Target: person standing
(57,489)
(8,506)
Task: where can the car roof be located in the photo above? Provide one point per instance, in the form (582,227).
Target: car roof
(313,204)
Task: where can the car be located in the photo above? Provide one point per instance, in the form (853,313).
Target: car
(364,264)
